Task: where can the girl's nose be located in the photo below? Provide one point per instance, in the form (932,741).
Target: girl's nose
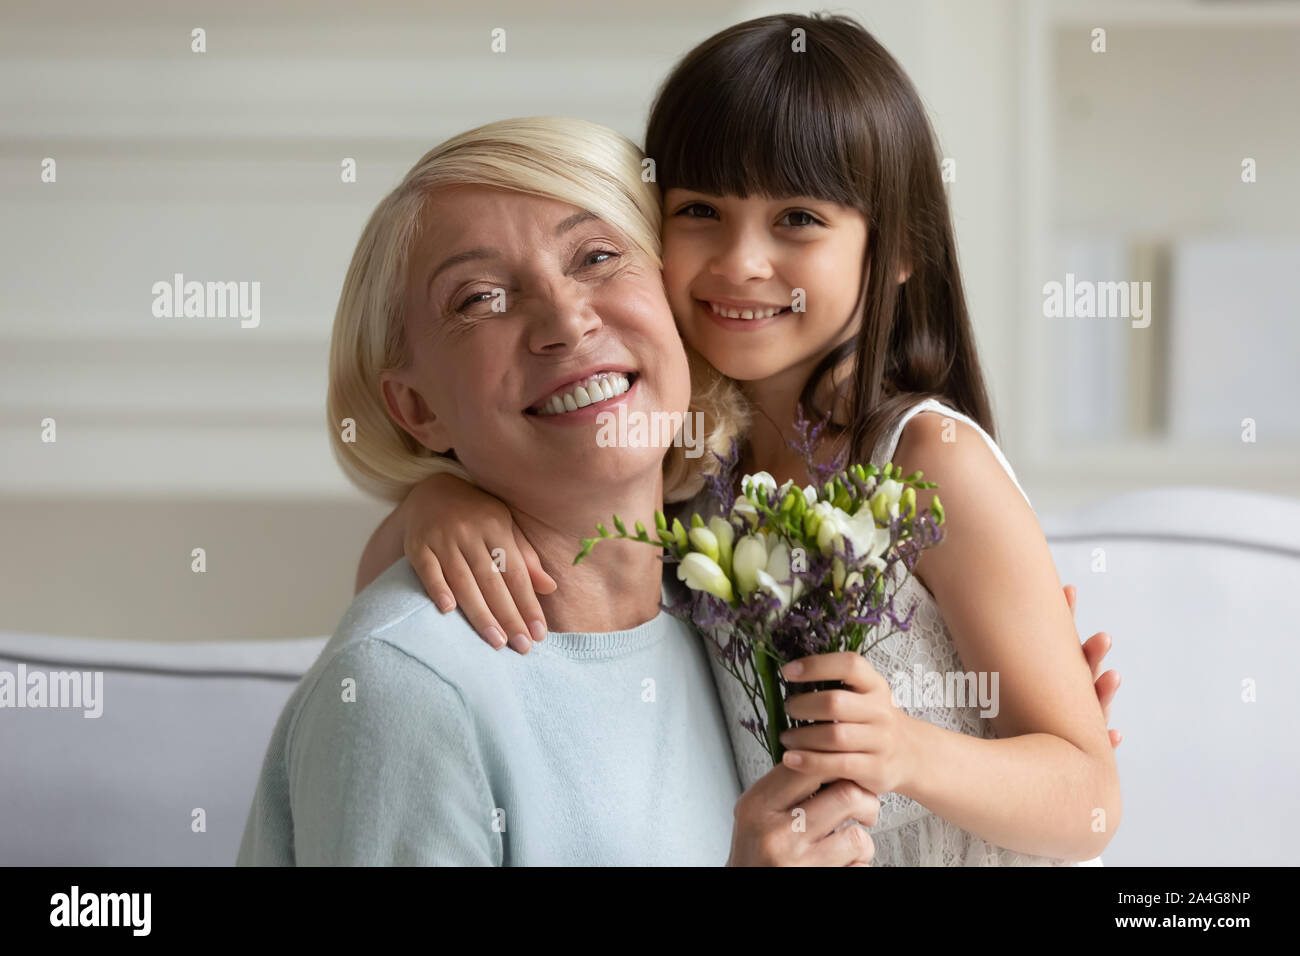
(744,257)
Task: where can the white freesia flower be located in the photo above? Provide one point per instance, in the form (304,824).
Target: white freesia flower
(701,573)
(744,508)
(884,502)
(838,526)
(726,536)
(748,558)
(759,479)
(704,541)
(778,578)
(753,485)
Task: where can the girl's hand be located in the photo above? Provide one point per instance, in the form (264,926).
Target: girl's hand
(450,531)
(784,820)
(860,735)
(1094,649)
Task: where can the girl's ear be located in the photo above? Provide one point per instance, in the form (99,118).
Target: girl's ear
(407,407)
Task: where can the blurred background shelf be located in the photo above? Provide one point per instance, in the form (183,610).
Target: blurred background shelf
(1133,172)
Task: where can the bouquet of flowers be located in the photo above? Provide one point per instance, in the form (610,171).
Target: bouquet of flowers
(785,572)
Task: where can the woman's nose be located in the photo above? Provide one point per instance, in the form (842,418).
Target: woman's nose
(561,321)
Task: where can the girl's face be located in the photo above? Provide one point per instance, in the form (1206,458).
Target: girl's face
(760,286)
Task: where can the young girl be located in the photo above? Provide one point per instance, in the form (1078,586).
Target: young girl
(809,257)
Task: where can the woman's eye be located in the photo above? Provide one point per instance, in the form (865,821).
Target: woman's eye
(696,210)
(474,299)
(800,218)
(592,260)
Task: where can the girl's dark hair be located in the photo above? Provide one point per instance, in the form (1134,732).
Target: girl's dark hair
(744,113)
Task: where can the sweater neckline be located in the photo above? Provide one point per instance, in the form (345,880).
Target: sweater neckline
(606,644)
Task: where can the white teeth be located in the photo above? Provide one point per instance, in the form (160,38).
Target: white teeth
(745,313)
(598,388)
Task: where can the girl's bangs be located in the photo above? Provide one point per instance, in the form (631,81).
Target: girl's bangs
(767,126)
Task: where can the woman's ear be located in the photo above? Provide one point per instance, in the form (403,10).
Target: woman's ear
(407,407)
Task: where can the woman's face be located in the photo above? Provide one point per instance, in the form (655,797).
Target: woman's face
(520,309)
(732,267)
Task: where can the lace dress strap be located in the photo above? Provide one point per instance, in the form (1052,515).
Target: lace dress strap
(888,443)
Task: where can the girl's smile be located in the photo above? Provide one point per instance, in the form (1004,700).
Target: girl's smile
(742,317)
(761,284)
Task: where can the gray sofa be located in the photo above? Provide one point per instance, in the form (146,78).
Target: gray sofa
(1201,590)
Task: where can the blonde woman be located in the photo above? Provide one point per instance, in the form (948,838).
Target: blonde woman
(408,741)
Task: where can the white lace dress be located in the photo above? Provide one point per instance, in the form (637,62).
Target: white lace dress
(906,834)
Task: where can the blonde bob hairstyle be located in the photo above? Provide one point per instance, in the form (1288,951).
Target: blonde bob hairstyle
(571,160)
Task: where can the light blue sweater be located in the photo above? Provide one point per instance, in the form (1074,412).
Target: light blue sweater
(410,741)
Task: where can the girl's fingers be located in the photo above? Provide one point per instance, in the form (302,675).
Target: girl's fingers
(1071,595)
(836,704)
(1095,650)
(1115,738)
(1107,684)
(842,737)
(542,582)
(849,667)
(520,586)
(429,570)
(847,766)
(463,584)
(500,601)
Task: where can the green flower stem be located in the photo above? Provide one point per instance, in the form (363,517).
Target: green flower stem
(765,665)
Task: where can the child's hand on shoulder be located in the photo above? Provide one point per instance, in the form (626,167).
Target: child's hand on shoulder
(467,550)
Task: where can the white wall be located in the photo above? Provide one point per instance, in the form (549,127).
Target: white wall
(225,166)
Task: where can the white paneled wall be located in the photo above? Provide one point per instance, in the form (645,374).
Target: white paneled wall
(225,166)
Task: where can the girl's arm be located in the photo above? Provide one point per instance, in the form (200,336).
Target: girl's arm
(1048,786)
(464,545)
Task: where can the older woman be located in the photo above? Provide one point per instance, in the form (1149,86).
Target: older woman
(514,264)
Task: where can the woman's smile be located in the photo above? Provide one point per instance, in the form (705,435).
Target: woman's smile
(590,394)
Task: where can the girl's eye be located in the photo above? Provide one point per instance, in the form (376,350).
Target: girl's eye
(801,218)
(696,210)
